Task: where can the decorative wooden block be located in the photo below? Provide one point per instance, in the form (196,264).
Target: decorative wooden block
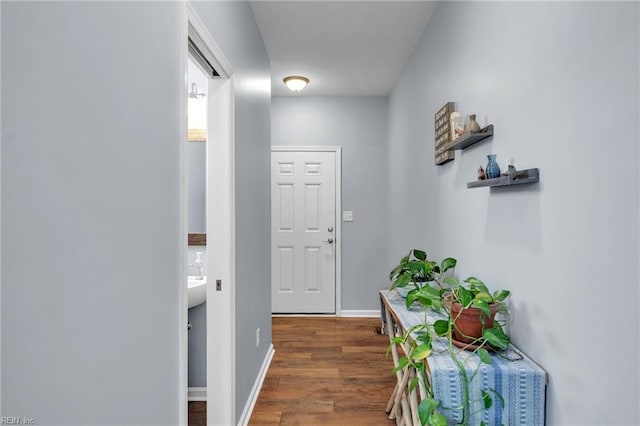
(197,239)
(197,135)
(445,157)
(443,134)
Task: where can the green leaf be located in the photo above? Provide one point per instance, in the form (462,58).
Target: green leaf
(395,271)
(428,291)
(452,281)
(412,296)
(484,296)
(436,305)
(415,266)
(437,420)
(441,327)
(421,351)
(496,338)
(501,295)
(402,280)
(419,254)
(427,267)
(476,284)
(499,396)
(395,341)
(486,399)
(447,264)
(424,337)
(426,407)
(483,424)
(402,363)
(425,301)
(412,384)
(484,356)
(398,340)
(464,296)
(482,305)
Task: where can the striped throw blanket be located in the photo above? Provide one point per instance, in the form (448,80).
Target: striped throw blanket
(512,374)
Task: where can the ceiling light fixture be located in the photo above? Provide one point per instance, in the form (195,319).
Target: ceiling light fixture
(296,83)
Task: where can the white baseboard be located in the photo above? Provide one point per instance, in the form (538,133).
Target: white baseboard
(345,313)
(303,315)
(360,313)
(197,394)
(253,396)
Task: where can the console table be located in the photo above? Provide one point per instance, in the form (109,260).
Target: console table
(520,381)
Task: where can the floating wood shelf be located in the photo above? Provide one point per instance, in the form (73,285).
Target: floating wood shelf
(468,139)
(521,177)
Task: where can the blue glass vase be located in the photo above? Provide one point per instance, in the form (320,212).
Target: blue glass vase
(493,170)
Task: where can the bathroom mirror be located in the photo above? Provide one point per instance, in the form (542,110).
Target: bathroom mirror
(197,155)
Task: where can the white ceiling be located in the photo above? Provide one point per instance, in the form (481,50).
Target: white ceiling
(345,48)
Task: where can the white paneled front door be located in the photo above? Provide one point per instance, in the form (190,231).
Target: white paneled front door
(303,231)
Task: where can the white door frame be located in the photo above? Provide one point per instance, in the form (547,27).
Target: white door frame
(220,228)
(338,235)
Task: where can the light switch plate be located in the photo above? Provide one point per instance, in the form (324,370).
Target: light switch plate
(347,216)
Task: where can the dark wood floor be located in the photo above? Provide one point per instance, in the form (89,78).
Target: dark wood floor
(197,413)
(326,371)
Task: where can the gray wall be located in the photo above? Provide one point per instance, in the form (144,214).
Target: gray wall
(197,168)
(90,225)
(560,83)
(198,346)
(234,29)
(359,126)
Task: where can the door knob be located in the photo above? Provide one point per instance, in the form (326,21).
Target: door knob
(330,229)
(330,240)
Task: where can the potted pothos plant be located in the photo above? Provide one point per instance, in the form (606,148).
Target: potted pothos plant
(455,301)
(473,309)
(416,277)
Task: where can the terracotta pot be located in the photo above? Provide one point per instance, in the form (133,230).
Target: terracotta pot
(467,322)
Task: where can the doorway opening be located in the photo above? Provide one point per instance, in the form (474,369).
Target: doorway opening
(197,84)
(217,209)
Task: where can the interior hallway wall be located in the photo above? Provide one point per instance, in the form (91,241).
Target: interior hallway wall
(359,126)
(233,27)
(560,83)
(90,226)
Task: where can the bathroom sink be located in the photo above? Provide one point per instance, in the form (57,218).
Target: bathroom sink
(196,290)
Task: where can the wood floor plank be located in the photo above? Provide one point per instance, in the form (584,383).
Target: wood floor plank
(266,418)
(355,418)
(306,405)
(300,372)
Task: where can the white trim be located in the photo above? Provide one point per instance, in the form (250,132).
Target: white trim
(197,394)
(221,345)
(338,219)
(360,313)
(198,32)
(255,391)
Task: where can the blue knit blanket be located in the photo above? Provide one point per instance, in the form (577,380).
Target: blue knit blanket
(519,381)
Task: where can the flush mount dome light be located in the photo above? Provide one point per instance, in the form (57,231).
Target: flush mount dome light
(295,83)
